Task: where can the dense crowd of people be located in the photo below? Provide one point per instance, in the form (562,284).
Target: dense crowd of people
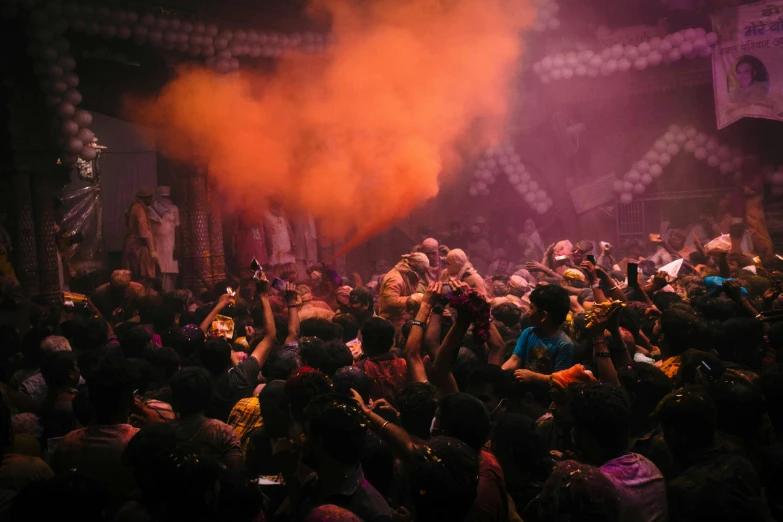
(534,383)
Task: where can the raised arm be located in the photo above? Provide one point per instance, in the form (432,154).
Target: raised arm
(223,301)
(395,436)
(447,354)
(290,296)
(264,347)
(412,351)
(497,347)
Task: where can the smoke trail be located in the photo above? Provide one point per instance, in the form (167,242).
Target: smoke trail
(357,135)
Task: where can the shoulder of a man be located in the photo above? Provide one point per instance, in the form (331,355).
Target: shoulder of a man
(246,371)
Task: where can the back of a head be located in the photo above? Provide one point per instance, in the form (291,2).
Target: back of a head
(647,385)
(304,385)
(485,379)
(681,330)
(553,300)
(339,424)
(331,513)
(693,361)
(443,480)
(134,341)
(577,492)
(165,361)
(464,417)
(664,300)
(191,389)
(739,404)
(517,443)
(55,343)
(334,355)
(281,364)
(740,340)
(417,403)
(111,389)
(352,377)
(275,409)
(189,341)
(603,412)
(363,296)
(190,473)
(377,336)
(688,417)
(508,314)
(321,328)
(215,355)
(58,369)
(349,326)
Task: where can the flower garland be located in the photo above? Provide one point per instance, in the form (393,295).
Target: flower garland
(474,306)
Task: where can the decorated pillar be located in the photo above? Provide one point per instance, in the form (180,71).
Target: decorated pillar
(198,222)
(217,255)
(25,249)
(46,235)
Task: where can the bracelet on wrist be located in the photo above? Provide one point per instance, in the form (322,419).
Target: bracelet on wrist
(603,354)
(418,323)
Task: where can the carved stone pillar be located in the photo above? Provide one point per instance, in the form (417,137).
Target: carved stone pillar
(198,217)
(218,257)
(46,236)
(25,250)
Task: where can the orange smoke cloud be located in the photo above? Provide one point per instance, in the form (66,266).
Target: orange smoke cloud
(357,135)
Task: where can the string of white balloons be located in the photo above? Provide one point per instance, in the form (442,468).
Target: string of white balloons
(703,147)
(689,43)
(503,158)
(546,16)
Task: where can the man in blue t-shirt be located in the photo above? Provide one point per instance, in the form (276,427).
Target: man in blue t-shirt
(549,307)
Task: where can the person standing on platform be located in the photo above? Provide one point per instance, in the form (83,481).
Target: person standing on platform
(139,254)
(164,218)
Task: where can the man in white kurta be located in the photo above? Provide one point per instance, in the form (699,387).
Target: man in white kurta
(164,221)
(280,241)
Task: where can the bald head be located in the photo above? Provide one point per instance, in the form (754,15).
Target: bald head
(429,247)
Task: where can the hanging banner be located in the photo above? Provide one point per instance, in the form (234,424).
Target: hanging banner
(747,64)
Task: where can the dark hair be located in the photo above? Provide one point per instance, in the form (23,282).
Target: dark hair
(681,330)
(165,359)
(303,385)
(691,360)
(111,389)
(417,403)
(189,341)
(349,325)
(134,341)
(339,424)
(377,461)
(334,355)
(692,413)
(443,480)
(352,377)
(577,491)
(281,364)
(553,300)
(56,369)
(362,295)
(191,389)
(517,445)
(646,384)
(215,355)
(664,300)
(377,336)
(771,384)
(489,374)
(275,409)
(759,72)
(464,417)
(741,340)
(321,328)
(715,308)
(739,403)
(507,314)
(603,411)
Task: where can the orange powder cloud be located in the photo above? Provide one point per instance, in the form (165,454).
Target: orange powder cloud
(360,134)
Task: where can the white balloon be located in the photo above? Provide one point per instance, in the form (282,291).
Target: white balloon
(665,47)
(546,63)
(617,51)
(701,153)
(676,39)
(673,149)
(654,58)
(689,34)
(571,59)
(480,185)
(533,186)
(669,137)
(596,61)
(623,64)
(664,159)
(593,72)
(656,170)
(580,70)
(686,48)
(632,176)
(660,146)
(646,179)
(631,52)
(651,157)
(618,186)
(558,61)
(643,166)
(609,67)
(713,160)
(701,139)
(473,192)
(712,145)
(640,64)
(530,197)
(726,167)
(690,146)
(712,38)
(540,195)
(707,51)
(556,74)
(627,186)
(525,177)
(567,73)
(675,55)
(699,43)
(626,198)
(644,48)
(655,42)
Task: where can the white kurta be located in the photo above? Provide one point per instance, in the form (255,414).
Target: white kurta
(164,232)
(279,240)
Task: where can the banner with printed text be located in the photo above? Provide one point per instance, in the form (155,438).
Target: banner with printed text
(747,65)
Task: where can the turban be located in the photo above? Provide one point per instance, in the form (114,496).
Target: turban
(417,262)
(342,294)
(573,274)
